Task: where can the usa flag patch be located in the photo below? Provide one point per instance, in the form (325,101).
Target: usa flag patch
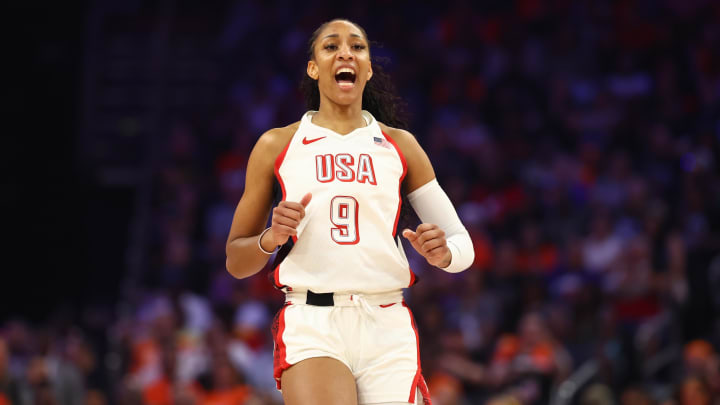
(381,142)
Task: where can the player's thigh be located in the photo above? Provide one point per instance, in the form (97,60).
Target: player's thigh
(319,380)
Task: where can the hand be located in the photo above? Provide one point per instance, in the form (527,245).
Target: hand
(429,241)
(285,219)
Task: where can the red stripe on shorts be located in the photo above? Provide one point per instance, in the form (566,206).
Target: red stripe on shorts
(280,363)
(418,381)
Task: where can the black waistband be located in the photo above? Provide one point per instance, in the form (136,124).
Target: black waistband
(320,299)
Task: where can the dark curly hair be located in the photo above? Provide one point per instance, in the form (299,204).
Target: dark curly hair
(379,95)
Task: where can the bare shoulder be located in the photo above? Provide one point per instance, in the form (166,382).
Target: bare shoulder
(267,148)
(274,140)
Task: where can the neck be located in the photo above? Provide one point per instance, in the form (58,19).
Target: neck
(342,119)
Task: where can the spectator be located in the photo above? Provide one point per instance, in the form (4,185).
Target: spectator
(226,387)
(8,384)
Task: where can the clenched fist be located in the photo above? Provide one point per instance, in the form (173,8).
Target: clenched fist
(429,241)
(285,219)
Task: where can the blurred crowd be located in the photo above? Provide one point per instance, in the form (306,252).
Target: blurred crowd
(579,142)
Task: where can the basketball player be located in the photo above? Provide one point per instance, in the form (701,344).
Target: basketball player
(344,335)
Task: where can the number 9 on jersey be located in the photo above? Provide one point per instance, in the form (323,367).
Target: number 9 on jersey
(344,217)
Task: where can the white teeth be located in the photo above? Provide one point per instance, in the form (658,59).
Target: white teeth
(345,70)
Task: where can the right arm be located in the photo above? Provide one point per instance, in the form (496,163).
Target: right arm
(441,238)
(244,257)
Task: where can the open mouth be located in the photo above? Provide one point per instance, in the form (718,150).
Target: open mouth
(345,78)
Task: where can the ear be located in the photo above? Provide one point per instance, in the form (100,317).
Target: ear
(312,69)
(370,72)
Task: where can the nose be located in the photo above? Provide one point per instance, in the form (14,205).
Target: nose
(345,53)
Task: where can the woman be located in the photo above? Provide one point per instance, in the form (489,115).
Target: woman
(341,338)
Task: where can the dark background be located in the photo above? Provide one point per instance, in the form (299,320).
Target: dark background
(48,195)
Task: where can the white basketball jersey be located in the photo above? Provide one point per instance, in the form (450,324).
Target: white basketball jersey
(346,242)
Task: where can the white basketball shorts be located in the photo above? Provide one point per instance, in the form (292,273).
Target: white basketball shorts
(374,335)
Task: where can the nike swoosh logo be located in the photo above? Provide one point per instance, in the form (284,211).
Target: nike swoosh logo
(309,141)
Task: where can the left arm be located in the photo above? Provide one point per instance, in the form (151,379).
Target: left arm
(441,238)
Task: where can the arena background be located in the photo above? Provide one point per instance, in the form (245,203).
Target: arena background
(579,141)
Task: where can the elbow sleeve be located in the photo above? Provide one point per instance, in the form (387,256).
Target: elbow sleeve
(433,206)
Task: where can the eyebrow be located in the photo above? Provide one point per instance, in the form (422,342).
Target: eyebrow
(337,35)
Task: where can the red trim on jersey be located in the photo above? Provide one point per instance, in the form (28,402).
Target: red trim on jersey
(404,172)
(278,162)
(276,278)
(419,380)
(280,363)
(383,305)
(413,279)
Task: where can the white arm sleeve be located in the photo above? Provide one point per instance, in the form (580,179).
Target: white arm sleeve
(433,206)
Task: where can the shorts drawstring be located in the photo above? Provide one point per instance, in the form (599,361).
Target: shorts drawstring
(361,303)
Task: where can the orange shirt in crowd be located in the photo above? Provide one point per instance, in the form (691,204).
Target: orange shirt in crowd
(509,347)
(234,396)
(162,392)
(158,393)
(145,353)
